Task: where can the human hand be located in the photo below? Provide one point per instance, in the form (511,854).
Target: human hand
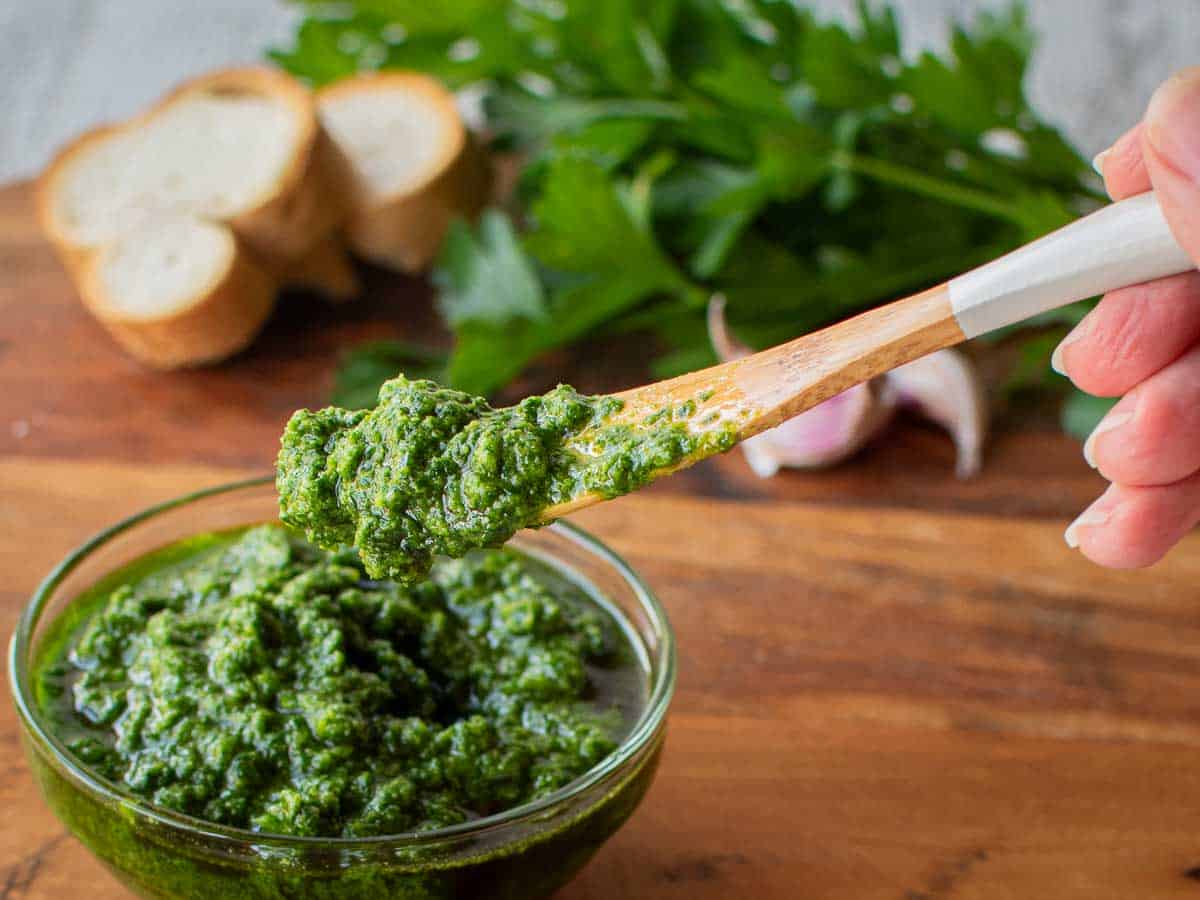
(1143,344)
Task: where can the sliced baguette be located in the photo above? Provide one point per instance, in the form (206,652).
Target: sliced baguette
(236,160)
(240,146)
(415,167)
(178,292)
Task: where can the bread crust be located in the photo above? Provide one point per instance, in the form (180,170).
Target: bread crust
(224,318)
(73,255)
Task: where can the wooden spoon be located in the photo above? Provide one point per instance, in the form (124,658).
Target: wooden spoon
(1120,245)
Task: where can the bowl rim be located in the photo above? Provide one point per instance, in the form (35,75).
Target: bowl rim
(649,723)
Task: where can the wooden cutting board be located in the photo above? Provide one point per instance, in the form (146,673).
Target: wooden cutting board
(893,685)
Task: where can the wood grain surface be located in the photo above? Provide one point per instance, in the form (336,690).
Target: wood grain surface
(893,685)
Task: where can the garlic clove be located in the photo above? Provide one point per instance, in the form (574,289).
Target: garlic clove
(727,347)
(827,434)
(942,387)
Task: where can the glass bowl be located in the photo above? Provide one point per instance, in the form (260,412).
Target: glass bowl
(526,852)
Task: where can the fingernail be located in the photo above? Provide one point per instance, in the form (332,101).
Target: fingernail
(1091,518)
(1056,358)
(1098,161)
(1111,422)
(1173,122)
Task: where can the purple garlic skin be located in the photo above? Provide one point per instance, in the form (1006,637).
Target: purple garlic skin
(942,387)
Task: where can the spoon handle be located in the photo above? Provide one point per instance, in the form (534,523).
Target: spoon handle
(1122,244)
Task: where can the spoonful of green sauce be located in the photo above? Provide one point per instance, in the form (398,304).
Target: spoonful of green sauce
(436,472)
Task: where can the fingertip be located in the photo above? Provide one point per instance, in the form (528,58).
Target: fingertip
(1105,553)
(1077,357)
(1103,534)
(1118,417)
(1123,166)
(1135,527)
(1172,111)
(1152,437)
(1057,363)
(1133,333)
(1095,516)
(1171,147)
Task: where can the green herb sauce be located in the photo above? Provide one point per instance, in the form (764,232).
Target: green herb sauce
(250,679)
(432,471)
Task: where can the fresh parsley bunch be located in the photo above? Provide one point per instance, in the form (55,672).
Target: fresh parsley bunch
(806,169)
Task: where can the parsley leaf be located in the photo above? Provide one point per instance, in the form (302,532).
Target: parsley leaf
(597,257)
(485,277)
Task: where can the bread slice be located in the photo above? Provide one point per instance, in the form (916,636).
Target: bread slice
(295,187)
(239,146)
(178,292)
(415,167)
(235,161)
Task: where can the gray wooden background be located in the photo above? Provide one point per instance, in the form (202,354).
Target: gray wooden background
(68,64)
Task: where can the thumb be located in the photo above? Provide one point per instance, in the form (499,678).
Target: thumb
(1171,144)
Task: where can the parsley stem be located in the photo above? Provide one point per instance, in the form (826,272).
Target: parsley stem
(936,188)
